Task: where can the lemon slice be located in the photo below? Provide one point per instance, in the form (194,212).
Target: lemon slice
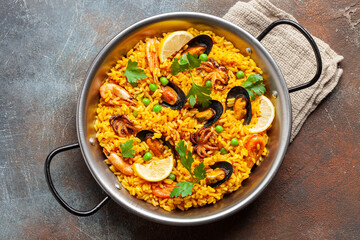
(173,43)
(156,170)
(267,114)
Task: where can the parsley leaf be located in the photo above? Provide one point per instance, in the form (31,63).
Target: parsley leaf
(176,67)
(188,160)
(181,149)
(202,94)
(193,60)
(254,84)
(134,73)
(259,89)
(251,94)
(126,150)
(182,188)
(197,93)
(200,172)
(186,62)
(253,78)
(192,100)
(185,161)
(185,188)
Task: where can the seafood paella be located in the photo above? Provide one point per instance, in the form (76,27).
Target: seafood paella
(183,118)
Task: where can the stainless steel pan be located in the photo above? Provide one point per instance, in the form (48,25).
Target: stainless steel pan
(155,26)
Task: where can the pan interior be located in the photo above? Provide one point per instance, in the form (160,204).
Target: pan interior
(155,26)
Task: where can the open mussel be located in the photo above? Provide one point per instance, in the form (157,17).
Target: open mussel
(172,96)
(210,114)
(200,44)
(221,173)
(155,145)
(238,99)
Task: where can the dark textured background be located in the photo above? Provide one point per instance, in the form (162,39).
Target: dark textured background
(45,50)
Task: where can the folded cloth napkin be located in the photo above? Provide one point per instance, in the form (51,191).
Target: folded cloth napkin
(292,53)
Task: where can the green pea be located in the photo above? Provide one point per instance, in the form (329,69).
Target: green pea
(208,83)
(153,87)
(146,101)
(219,129)
(234,142)
(203,57)
(223,151)
(240,74)
(164,81)
(172,176)
(157,108)
(135,113)
(147,156)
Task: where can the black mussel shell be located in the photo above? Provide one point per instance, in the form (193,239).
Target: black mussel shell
(180,103)
(237,92)
(217,107)
(227,168)
(201,40)
(144,134)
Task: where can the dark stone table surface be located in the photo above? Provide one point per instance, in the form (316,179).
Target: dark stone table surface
(46,47)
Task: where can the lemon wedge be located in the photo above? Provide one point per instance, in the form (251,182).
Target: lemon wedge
(173,43)
(267,114)
(156,170)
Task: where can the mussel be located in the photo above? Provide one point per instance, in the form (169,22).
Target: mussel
(238,99)
(211,113)
(173,97)
(199,44)
(154,144)
(222,172)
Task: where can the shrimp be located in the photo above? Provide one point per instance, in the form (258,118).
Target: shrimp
(255,146)
(163,192)
(152,47)
(119,163)
(116,91)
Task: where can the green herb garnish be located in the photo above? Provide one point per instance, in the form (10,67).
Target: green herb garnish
(187,62)
(202,95)
(126,150)
(200,172)
(185,188)
(197,93)
(182,188)
(254,84)
(133,73)
(192,100)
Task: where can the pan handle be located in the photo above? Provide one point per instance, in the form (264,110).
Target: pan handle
(56,194)
(312,43)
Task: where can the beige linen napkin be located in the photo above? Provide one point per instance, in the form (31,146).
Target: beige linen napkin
(292,53)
